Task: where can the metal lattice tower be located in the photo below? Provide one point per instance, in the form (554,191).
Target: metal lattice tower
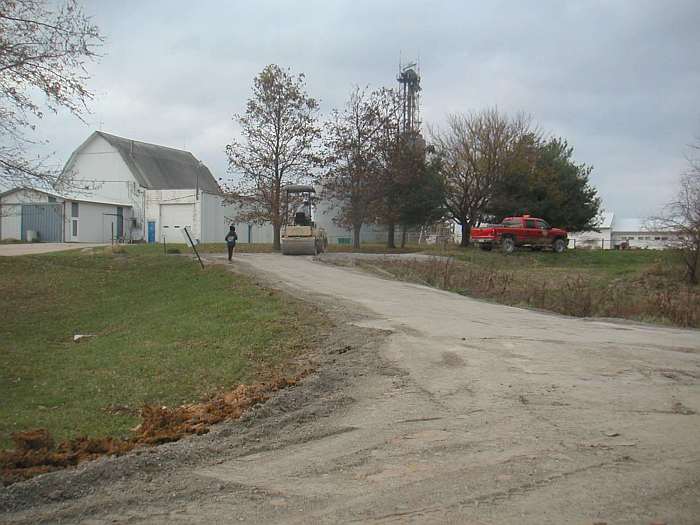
(410,98)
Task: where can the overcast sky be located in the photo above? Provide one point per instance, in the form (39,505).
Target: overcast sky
(620,80)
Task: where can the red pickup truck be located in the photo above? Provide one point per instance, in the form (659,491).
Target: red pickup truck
(520,231)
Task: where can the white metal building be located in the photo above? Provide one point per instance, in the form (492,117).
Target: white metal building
(123,189)
(638,233)
(30,214)
(601,239)
(325,215)
(616,232)
(118,188)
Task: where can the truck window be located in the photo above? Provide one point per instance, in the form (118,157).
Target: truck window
(542,225)
(511,224)
(529,223)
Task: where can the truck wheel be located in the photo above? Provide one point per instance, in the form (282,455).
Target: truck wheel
(559,246)
(486,247)
(508,245)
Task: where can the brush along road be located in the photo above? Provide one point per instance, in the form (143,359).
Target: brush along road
(428,407)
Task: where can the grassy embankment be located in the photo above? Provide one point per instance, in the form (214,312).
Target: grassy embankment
(166,333)
(641,285)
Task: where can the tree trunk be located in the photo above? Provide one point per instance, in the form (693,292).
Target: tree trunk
(403,235)
(390,243)
(692,263)
(466,233)
(356,236)
(276,245)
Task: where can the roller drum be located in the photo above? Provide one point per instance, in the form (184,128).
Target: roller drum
(299,246)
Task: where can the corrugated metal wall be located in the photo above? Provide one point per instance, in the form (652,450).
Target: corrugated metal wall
(45,219)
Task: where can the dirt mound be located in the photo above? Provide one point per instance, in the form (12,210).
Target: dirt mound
(163,424)
(35,455)
(35,452)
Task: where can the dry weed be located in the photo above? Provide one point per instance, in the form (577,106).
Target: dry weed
(653,296)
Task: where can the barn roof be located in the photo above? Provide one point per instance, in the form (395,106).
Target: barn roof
(64,196)
(606,219)
(630,225)
(159,167)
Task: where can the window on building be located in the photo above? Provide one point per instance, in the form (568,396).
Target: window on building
(52,199)
(75,228)
(657,238)
(74,210)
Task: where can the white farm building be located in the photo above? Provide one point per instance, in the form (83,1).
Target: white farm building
(615,233)
(125,190)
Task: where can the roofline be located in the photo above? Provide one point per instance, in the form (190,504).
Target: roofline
(138,177)
(142,142)
(103,133)
(75,153)
(64,197)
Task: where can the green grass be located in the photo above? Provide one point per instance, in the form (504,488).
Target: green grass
(167,332)
(374,248)
(601,263)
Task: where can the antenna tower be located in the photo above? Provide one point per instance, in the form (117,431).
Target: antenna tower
(409,79)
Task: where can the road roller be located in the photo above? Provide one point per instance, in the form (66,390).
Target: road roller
(300,235)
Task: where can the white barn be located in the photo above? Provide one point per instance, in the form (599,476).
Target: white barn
(150,193)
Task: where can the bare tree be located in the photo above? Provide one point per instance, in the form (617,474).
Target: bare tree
(398,153)
(682,215)
(44,49)
(353,139)
(280,134)
(477,150)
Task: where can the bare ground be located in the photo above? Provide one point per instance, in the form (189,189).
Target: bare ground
(11,250)
(427,407)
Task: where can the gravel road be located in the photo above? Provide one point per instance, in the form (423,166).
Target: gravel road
(428,407)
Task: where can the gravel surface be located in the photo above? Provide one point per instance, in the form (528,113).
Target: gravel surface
(427,407)
(10,250)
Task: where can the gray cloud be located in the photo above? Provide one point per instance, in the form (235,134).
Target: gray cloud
(619,80)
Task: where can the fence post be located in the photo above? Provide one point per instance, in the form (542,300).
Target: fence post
(194,248)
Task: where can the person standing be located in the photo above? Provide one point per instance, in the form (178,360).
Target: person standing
(231,238)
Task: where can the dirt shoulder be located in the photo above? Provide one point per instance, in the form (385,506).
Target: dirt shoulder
(14,250)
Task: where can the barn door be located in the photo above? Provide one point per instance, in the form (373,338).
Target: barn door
(43,219)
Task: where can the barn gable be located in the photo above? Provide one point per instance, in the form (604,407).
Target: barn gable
(152,167)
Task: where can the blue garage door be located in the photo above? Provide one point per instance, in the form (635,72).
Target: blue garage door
(45,219)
